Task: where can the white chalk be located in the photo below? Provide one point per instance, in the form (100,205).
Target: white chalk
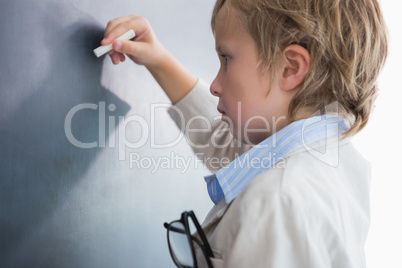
(105,49)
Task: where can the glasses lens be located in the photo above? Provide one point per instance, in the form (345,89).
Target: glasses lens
(179,245)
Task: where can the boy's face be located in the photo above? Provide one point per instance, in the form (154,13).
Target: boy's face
(253,109)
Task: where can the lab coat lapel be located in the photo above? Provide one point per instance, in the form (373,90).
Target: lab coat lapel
(215,214)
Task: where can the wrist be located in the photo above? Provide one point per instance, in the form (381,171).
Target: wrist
(173,78)
(162,60)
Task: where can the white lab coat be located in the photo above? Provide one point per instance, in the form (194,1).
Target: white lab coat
(310,212)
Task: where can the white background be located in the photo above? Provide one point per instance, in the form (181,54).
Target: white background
(381,144)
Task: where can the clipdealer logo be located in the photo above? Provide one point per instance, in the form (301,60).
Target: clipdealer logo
(195,124)
(147,131)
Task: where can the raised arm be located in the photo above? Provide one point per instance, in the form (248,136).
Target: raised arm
(214,144)
(145,49)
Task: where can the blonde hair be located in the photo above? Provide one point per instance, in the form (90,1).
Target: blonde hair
(347,42)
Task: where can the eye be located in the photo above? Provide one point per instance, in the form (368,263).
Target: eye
(225,59)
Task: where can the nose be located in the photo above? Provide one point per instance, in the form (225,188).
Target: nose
(216,87)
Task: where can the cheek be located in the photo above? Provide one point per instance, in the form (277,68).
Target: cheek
(234,83)
(231,105)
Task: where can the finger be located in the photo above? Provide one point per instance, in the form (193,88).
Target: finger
(138,24)
(129,47)
(112,52)
(115,58)
(113,23)
(112,58)
(110,32)
(116,28)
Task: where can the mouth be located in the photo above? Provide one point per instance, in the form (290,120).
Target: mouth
(221,111)
(224,117)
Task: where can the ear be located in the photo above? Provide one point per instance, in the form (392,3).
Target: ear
(295,65)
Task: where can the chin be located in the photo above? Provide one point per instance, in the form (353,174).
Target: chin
(254,139)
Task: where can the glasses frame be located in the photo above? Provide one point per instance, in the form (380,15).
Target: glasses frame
(203,244)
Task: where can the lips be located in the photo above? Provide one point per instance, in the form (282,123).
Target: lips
(224,119)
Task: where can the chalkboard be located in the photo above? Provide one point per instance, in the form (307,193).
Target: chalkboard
(79,136)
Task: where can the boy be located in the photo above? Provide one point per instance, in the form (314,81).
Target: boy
(297,80)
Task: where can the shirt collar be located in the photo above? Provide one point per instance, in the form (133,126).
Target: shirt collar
(298,136)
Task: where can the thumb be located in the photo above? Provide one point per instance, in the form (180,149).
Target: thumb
(127,47)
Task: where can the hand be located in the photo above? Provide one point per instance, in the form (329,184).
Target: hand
(144,49)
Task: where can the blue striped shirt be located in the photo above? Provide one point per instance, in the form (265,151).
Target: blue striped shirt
(229,181)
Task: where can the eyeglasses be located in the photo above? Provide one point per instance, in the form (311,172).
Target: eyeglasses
(182,243)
